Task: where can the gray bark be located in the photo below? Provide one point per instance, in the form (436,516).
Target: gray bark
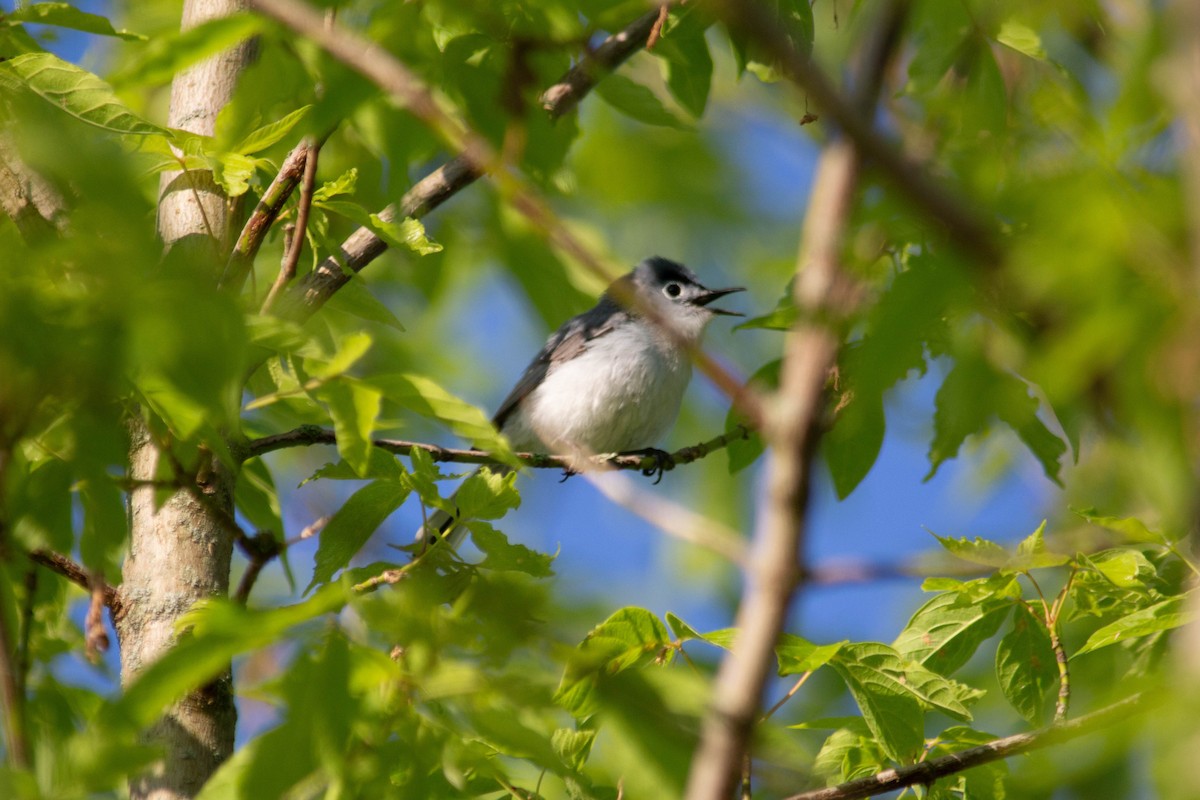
(180,550)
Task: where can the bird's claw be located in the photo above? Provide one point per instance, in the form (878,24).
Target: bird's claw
(567,472)
(662,463)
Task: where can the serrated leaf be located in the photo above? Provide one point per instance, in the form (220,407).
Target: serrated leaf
(797,655)
(938,691)
(854,443)
(946,631)
(1032,553)
(64,15)
(971,395)
(77,93)
(795,19)
(487,494)
(977,550)
(233,171)
(346,183)
(502,555)
(351,348)
(1026,666)
(629,638)
(637,102)
(1164,616)
(409,234)
(722,637)
(352,525)
(267,135)
(849,753)
(875,676)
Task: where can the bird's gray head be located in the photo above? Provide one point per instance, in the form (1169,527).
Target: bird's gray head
(677,294)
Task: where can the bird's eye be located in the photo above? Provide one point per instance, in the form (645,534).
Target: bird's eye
(672,290)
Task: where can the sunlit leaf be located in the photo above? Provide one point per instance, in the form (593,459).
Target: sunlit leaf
(875,676)
(64,15)
(944,633)
(352,524)
(1164,616)
(798,655)
(636,101)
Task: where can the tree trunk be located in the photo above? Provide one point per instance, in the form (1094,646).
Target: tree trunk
(180,549)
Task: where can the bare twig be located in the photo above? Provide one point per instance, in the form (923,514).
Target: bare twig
(307,435)
(76,574)
(261,549)
(926,772)
(24,656)
(254,232)
(826,295)
(287,270)
(94,636)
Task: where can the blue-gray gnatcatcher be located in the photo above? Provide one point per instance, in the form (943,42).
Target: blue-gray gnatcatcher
(610,380)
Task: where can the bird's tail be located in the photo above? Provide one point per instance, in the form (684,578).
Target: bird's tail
(449,528)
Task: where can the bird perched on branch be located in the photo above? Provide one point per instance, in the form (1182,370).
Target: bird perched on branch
(612,379)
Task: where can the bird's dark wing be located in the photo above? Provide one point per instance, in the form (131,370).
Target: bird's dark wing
(567,342)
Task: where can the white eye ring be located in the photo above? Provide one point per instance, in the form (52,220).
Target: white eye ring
(672,290)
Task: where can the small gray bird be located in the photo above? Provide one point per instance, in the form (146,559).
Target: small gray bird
(610,380)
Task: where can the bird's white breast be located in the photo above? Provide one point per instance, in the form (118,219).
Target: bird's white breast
(622,393)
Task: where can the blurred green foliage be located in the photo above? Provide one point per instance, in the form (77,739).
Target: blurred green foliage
(455,678)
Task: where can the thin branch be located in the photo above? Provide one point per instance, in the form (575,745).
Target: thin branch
(287,270)
(254,232)
(24,655)
(307,435)
(827,295)
(973,235)
(76,574)
(261,549)
(95,637)
(926,772)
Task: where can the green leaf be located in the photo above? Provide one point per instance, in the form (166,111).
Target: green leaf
(105,526)
(352,525)
(1022,38)
(1164,616)
(1026,666)
(346,183)
(977,550)
(637,102)
(76,92)
(681,629)
(502,555)
(408,234)
(64,15)
(688,64)
(164,56)
(853,445)
(1032,553)
(875,676)
(946,631)
(354,407)
(631,637)
(1133,529)
(427,398)
(972,394)
(939,692)
(798,655)
(744,452)
(1127,569)
(795,19)
(849,753)
(267,135)
(487,494)
(573,746)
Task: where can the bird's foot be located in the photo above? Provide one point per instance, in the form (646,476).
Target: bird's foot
(662,462)
(567,472)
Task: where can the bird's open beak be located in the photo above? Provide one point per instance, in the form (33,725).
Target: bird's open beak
(715,294)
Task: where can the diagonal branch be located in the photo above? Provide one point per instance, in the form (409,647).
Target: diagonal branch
(926,772)
(826,296)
